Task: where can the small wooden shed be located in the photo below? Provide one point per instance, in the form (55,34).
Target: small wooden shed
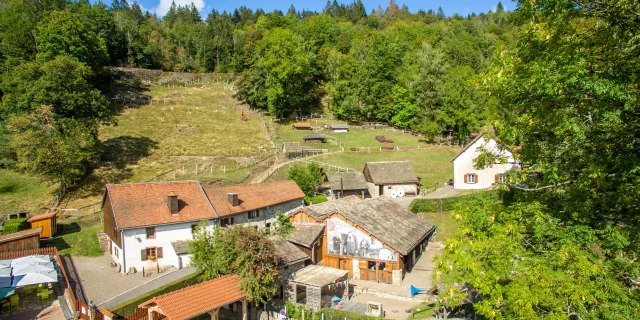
(315,137)
(302,126)
(48,222)
(21,240)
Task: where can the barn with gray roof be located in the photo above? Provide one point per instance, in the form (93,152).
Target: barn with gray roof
(392,178)
(379,236)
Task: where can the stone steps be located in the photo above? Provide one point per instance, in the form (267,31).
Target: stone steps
(104,241)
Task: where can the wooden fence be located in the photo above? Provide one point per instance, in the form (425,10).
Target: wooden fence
(142,314)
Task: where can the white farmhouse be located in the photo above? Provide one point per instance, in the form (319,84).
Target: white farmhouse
(149,225)
(464,174)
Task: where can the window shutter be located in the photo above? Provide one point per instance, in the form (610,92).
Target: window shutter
(497,178)
(475,178)
(143,254)
(159,252)
(232,220)
(466,178)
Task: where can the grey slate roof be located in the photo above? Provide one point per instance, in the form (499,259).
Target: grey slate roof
(306,233)
(314,136)
(391,172)
(386,220)
(181,246)
(287,252)
(339,126)
(350,181)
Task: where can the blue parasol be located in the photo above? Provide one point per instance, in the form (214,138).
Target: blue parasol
(5,292)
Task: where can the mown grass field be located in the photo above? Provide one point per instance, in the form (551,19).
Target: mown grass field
(431,163)
(20,192)
(356,137)
(82,242)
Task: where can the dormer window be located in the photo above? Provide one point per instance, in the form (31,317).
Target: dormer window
(151,232)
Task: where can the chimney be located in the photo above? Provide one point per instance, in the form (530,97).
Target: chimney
(233,199)
(173,202)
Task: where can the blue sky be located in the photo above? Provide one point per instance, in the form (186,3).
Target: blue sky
(462,7)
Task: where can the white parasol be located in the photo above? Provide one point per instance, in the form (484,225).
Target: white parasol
(30,260)
(35,267)
(34,278)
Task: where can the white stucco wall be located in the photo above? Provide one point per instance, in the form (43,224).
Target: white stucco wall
(136,239)
(412,188)
(116,253)
(463,165)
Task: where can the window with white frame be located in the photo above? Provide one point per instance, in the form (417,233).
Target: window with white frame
(502,178)
(253,214)
(471,178)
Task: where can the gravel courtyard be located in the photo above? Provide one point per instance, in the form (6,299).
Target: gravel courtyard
(101,282)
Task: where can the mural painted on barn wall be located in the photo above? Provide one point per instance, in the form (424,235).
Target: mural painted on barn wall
(345,240)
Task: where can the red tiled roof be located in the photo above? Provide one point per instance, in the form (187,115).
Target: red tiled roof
(198,299)
(302,125)
(253,196)
(146,204)
(43,216)
(20,235)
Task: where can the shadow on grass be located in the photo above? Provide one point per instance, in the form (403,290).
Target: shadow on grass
(126,150)
(120,152)
(60,243)
(126,91)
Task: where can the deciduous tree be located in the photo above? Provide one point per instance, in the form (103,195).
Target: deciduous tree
(243,251)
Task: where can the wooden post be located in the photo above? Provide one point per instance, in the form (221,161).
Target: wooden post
(244,309)
(196,168)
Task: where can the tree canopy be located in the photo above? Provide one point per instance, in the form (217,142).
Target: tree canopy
(564,242)
(243,251)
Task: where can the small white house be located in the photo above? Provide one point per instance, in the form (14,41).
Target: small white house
(464,174)
(150,225)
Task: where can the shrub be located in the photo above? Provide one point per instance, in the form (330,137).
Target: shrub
(15,225)
(315,200)
(448,204)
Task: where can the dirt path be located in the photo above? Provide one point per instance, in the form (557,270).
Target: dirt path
(277,165)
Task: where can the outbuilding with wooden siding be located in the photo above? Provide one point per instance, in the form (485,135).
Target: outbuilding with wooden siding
(374,239)
(48,222)
(21,240)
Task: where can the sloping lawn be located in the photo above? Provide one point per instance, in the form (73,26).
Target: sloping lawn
(20,192)
(446,226)
(80,241)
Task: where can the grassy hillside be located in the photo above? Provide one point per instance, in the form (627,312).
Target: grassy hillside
(180,129)
(21,192)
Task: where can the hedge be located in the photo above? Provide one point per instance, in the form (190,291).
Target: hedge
(294,311)
(15,225)
(448,204)
(315,200)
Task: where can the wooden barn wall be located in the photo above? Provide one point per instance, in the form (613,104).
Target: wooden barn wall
(29,243)
(110,223)
(302,217)
(346,262)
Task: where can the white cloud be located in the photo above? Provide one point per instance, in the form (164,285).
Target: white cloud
(164,5)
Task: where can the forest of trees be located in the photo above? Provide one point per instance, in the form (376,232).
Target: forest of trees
(418,70)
